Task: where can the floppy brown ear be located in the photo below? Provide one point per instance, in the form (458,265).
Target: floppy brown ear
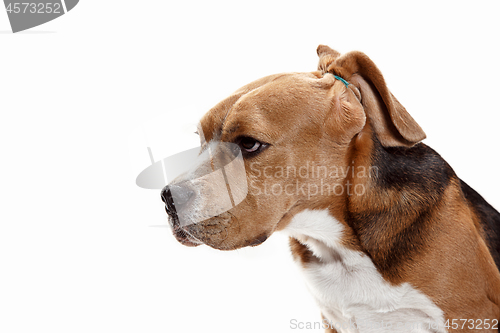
(392,124)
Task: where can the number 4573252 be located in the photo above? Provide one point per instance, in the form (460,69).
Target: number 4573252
(34,8)
(471,324)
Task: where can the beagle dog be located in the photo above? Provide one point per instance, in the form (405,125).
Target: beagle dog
(388,237)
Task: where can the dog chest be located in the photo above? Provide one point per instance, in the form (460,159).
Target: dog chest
(351,293)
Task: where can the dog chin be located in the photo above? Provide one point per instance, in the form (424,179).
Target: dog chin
(184,237)
(213,232)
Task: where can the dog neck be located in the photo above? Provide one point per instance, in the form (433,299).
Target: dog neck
(385,212)
(402,192)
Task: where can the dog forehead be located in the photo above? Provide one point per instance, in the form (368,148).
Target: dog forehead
(269,97)
(291,88)
(213,120)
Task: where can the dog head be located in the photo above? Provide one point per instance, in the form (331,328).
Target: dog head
(293,134)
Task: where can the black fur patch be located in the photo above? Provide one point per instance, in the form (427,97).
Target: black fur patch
(490,220)
(418,168)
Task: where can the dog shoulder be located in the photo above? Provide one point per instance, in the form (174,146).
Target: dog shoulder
(488,217)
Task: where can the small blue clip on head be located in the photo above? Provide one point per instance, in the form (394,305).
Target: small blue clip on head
(341,79)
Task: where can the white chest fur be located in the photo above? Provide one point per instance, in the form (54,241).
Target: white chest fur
(351,293)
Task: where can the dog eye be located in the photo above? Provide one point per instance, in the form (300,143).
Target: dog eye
(250,145)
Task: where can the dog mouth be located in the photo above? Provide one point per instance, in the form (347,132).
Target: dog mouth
(185,238)
(181,234)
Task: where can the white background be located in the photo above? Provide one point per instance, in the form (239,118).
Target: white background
(83,249)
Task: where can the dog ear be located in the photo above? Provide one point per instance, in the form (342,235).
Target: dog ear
(392,124)
(346,116)
(326,57)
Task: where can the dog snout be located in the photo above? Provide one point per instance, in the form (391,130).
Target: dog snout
(176,198)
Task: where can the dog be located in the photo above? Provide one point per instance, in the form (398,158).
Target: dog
(389,239)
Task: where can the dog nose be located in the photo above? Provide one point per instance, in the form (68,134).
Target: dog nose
(175,198)
(166,197)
